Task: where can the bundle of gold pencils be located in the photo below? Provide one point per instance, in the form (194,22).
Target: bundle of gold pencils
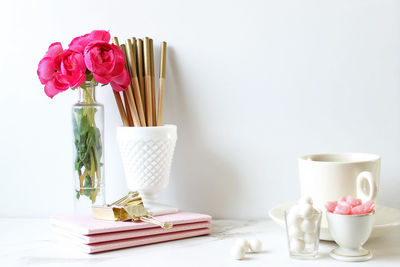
(139,106)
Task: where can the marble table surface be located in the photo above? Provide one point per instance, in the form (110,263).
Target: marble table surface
(26,242)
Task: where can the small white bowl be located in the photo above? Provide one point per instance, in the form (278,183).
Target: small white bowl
(350,232)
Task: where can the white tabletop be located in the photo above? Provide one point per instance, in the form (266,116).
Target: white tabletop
(26,242)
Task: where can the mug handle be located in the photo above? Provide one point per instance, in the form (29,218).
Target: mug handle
(368,176)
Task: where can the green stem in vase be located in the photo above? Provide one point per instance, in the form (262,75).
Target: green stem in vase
(88,145)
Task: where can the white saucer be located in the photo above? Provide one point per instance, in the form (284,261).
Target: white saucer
(386,219)
(342,255)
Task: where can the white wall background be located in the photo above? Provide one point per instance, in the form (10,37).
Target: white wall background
(252,85)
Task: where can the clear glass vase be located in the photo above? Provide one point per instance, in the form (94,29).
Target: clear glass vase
(88,135)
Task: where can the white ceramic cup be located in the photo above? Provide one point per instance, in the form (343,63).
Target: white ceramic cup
(350,232)
(327,177)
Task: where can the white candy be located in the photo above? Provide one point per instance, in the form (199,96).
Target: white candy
(305,210)
(293,218)
(309,238)
(255,245)
(238,252)
(297,245)
(307,226)
(243,243)
(295,232)
(306,200)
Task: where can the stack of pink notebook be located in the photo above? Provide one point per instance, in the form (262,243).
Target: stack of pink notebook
(94,236)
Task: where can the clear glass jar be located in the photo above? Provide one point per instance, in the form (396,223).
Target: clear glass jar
(303,234)
(88,149)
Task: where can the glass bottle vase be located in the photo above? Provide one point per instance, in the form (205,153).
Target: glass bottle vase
(88,149)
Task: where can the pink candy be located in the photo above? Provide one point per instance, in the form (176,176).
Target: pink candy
(357,210)
(353,202)
(349,205)
(342,209)
(331,205)
(368,206)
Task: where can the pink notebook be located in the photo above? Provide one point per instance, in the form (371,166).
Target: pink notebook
(86,225)
(92,236)
(132,242)
(97,238)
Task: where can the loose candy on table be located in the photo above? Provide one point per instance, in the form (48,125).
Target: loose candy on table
(238,252)
(243,243)
(255,245)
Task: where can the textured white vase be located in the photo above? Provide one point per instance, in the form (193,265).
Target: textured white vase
(147,154)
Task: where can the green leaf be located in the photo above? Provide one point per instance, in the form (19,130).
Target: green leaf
(87,141)
(84,125)
(75,128)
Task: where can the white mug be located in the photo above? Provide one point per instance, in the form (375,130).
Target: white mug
(327,177)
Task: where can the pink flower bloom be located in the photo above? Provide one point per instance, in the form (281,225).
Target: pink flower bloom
(47,71)
(73,68)
(60,70)
(79,44)
(106,62)
(121,82)
(46,66)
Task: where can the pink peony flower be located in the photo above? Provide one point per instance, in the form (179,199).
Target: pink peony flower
(106,62)
(47,71)
(121,82)
(60,70)
(73,68)
(78,44)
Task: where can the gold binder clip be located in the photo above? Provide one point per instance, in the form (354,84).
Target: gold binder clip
(129,207)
